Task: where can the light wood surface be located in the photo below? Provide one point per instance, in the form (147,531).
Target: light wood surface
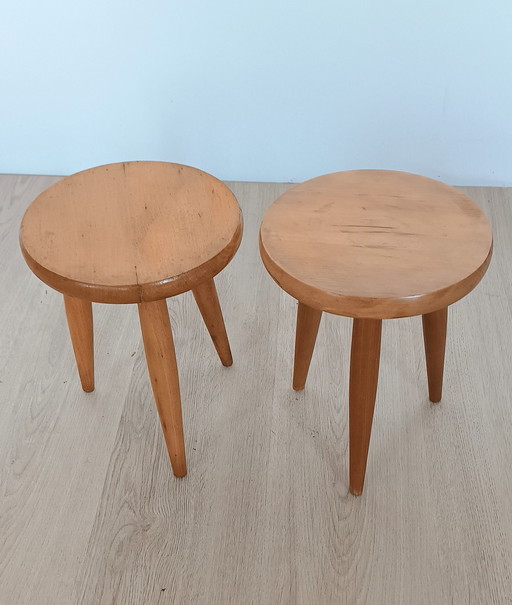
(131,232)
(375,244)
(91,515)
(163,372)
(434,335)
(80,323)
(209,306)
(364,376)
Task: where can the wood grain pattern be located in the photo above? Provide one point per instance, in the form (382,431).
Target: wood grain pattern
(375,244)
(364,376)
(434,336)
(308,321)
(162,227)
(208,302)
(91,515)
(80,323)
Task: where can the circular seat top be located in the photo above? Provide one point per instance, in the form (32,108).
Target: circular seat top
(375,244)
(131,232)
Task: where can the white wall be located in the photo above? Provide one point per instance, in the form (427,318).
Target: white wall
(262,90)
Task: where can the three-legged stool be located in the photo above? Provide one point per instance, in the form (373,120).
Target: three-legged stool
(373,245)
(136,232)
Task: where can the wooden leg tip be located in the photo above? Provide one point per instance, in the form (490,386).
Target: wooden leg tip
(356,491)
(227,363)
(298,387)
(88,388)
(179,467)
(435,397)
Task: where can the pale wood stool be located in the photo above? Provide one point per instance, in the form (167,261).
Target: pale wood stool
(373,245)
(136,232)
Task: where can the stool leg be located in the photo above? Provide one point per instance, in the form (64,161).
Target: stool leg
(434,335)
(308,321)
(163,371)
(364,374)
(209,306)
(79,316)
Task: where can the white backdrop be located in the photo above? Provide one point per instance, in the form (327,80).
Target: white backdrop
(269,90)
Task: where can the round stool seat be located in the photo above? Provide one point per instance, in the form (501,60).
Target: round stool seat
(131,232)
(375,244)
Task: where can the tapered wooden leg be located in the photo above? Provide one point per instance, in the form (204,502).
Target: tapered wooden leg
(434,335)
(364,374)
(79,316)
(208,303)
(308,320)
(163,371)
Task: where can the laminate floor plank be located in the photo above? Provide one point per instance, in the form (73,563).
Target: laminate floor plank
(90,512)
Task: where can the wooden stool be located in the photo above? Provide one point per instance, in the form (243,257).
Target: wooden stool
(136,232)
(373,245)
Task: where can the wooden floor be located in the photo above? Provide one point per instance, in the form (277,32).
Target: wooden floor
(90,512)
